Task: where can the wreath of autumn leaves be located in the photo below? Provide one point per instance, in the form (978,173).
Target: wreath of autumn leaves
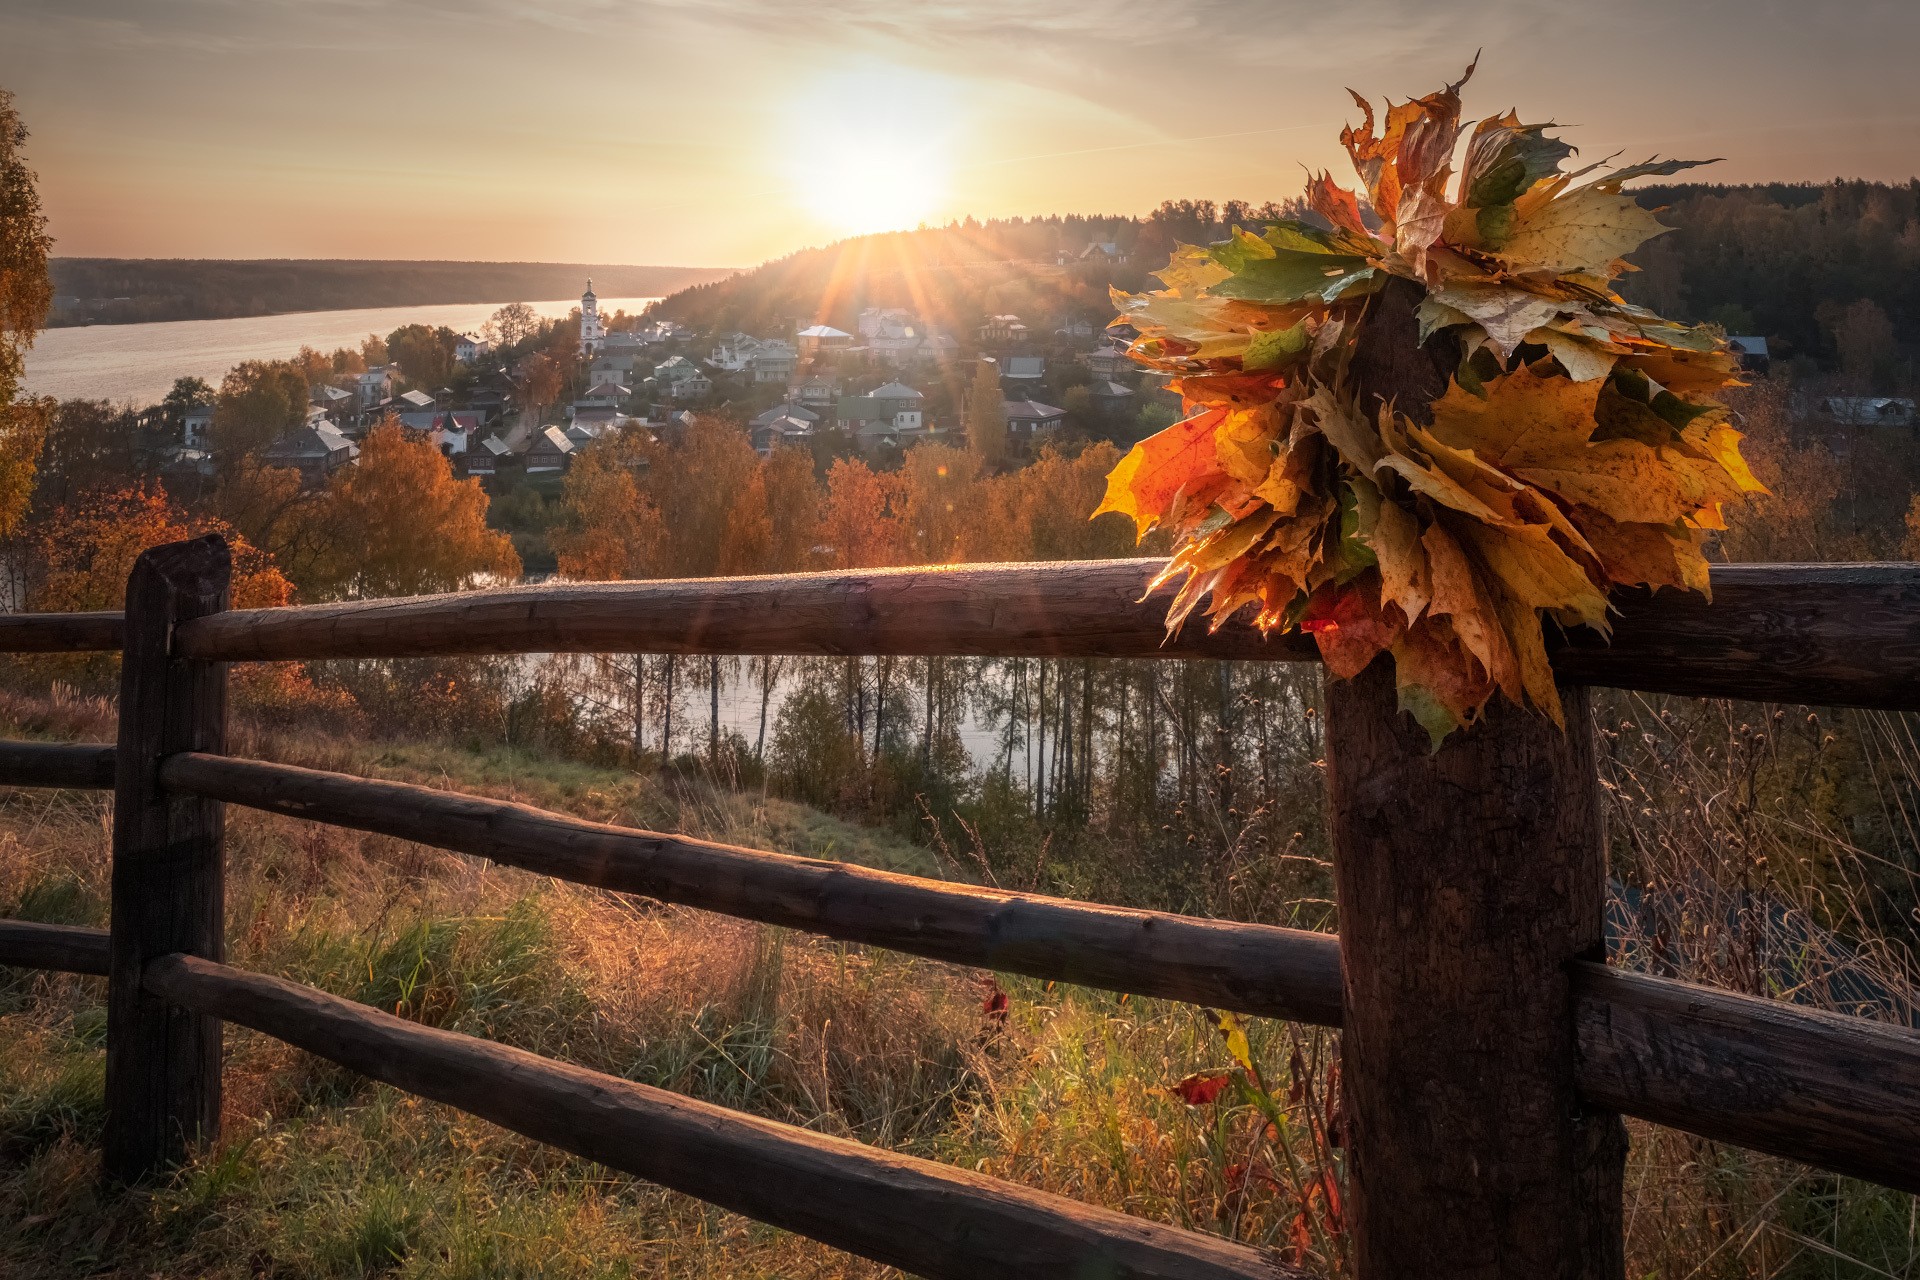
(1576,446)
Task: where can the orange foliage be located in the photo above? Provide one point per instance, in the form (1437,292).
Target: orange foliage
(401,524)
(857,520)
(84,554)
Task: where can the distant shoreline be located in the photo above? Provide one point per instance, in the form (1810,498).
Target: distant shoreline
(91,292)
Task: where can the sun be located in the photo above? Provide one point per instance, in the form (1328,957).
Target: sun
(871,149)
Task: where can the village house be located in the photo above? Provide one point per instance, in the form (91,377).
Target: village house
(375,385)
(468,349)
(791,409)
(762,360)
(818,393)
(602,395)
(785,429)
(315,451)
(412,402)
(449,429)
(889,415)
(1753,353)
(1027,418)
(821,338)
(1869,411)
(902,401)
(1023,372)
(197,427)
(1111,400)
(611,367)
(1104,252)
(681,379)
(550,452)
(485,457)
(1108,361)
(1002,331)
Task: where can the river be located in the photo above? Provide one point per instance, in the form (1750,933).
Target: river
(137,363)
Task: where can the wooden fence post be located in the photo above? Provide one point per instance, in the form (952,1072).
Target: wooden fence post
(163,1062)
(1468,878)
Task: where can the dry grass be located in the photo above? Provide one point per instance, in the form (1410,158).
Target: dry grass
(322,1174)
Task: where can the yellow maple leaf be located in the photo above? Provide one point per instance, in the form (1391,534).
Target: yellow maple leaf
(1584,230)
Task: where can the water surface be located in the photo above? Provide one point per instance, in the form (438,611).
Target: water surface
(137,363)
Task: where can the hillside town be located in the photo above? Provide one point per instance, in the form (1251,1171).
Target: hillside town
(508,410)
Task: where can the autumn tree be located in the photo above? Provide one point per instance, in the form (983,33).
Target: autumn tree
(26,293)
(186,395)
(986,420)
(399,524)
(540,378)
(793,510)
(85,551)
(1862,338)
(610,526)
(1797,519)
(373,351)
(938,501)
(1040,512)
(697,486)
(424,353)
(314,366)
(512,324)
(857,523)
(259,401)
(89,445)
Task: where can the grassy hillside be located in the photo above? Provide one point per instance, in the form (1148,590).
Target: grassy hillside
(322,1174)
(126,290)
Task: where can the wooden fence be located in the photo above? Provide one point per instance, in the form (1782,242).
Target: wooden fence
(1489,1052)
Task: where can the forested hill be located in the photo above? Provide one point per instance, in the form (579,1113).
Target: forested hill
(1789,262)
(956,274)
(127,290)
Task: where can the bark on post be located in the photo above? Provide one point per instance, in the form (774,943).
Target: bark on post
(1468,880)
(163,1062)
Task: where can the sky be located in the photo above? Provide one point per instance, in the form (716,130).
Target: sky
(726,132)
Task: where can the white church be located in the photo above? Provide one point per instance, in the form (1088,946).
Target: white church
(593,331)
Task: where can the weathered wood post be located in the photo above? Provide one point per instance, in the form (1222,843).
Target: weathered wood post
(1467,879)
(163,1063)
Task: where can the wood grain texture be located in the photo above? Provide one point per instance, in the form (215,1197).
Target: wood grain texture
(56,764)
(1832,1091)
(1844,635)
(61,632)
(1468,878)
(1835,635)
(924,1217)
(1288,973)
(63,948)
(163,1063)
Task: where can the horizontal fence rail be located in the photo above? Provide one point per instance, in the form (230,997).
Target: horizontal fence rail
(1285,973)
(60,948)
(61,632)
(1825,1089)
(56,764)
(1828,1090)
(1832,635)
(927,1218)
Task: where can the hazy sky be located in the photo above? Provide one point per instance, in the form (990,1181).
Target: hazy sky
(724,132)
